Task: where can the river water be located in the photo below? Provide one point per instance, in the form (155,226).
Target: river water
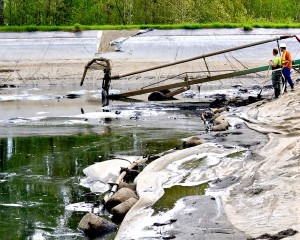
(47,139)
(40,176)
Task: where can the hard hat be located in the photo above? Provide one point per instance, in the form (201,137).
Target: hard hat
(282,45)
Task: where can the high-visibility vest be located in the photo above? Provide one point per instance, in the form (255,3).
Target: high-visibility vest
(277,61)
(286,59)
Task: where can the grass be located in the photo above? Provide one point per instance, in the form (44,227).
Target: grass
(192,164)
(236,154)
(78,27)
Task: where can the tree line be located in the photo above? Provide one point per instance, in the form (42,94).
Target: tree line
(128,12)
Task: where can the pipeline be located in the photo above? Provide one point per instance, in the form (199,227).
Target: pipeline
(115,185)
(106,68)
(196,81)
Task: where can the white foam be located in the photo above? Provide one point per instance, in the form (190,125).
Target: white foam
(27,96)
(76,122)
(41,113)
(82,207)
(11,205)
(79,92)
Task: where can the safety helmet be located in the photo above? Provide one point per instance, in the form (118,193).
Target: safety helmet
(282,45)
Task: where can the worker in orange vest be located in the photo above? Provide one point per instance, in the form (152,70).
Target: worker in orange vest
(286,62)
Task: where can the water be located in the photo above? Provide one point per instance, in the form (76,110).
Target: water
(46,140)
(39,176)
(173,194)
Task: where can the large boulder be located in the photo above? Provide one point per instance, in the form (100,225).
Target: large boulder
(120,196)
(220,124)
(120,210)
(94,226)
(127,185)
(192,142)
(220,110)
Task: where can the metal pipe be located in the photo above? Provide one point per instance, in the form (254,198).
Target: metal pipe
(195,81)
(177,91)
(87,66)
(202,56)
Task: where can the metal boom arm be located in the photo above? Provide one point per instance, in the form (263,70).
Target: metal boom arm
(296,63)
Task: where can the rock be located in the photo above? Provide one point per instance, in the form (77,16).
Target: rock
(127,185)
(192,141)
(169,222)
(219,120)
(120,196)
(237,86)
(7,85)
(72,96)
(252,99)
(207,116)
(215,121)
(280,235)
(219,110)
(243,90)
(220,127)
(219,102)
(94,226)
(120,210)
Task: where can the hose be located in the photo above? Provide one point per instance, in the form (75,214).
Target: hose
(265,80)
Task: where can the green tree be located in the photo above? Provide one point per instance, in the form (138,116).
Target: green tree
(62,14)
(1,12)
(97,12)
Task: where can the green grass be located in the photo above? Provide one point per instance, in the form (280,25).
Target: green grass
(78,27)
(236,154)
(192,164)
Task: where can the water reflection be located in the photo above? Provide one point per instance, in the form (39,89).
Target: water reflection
(39,176)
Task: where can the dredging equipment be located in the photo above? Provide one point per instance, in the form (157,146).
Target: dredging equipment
(159,92)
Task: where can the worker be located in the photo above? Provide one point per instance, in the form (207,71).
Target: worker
(286,61)
(276,73)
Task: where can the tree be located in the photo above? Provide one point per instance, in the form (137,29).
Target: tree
(97,12)
(1,12)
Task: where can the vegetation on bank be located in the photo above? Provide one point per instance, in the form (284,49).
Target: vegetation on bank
(78,27)
(163,14)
